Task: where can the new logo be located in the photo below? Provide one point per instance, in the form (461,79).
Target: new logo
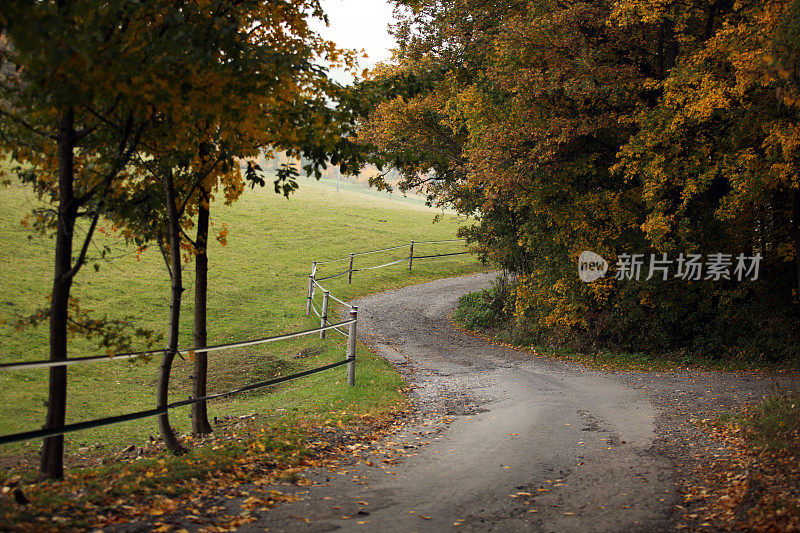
(591,267)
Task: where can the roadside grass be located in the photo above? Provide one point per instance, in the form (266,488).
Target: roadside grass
(257,287)
(164,488)
(774,424)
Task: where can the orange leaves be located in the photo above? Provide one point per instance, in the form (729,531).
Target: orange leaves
(746,485)
(222,236)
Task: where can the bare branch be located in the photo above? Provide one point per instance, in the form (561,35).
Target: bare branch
(164,255)
(27,125)
(102,118)
(186,236)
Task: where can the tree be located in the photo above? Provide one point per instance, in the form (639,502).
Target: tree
(74,113)
(268,94)
(632,126)
(102,89)
(535,97)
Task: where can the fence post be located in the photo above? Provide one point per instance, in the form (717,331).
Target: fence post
(351,347)
(324,318)
(310,293)
(350,272)
(411,256)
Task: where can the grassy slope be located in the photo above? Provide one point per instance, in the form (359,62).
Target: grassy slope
(257,288)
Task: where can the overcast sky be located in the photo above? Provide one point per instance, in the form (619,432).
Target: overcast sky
(360,24)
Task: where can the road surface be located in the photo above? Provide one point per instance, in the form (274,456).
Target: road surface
(507,441)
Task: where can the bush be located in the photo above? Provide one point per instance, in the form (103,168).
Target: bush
(698,320)
(486,309)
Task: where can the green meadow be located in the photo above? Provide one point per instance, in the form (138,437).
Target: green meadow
(257,288)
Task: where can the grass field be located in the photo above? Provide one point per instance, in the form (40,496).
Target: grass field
(257,287)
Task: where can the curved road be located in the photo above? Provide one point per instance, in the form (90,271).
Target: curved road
(507,441)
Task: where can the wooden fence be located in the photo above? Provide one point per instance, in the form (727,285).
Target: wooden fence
(325,326)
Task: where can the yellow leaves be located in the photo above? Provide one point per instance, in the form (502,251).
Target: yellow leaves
(657,226)
(628,12)
(253,501)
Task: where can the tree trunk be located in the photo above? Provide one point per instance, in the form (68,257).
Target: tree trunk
(52,454)
(200,424)
(796,238)
(168,434)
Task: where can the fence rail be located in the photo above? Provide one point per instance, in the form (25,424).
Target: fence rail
(111,420)
(100,422)
(134,355)
(313,280)
(325,326)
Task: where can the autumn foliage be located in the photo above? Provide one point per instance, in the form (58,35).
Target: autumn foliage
(619,127)
(140,113)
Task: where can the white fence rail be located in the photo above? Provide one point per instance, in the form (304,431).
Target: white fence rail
(313,280)
(325,326)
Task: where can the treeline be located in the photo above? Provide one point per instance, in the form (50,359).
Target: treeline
(619,127)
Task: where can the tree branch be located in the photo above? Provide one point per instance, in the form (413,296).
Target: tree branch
(85,132)
(82,257)
(27,125)
(186,236)
(102,118)
(164,256)
(198,182)
(124,157)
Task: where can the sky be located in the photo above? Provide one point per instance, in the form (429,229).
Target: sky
(359,24)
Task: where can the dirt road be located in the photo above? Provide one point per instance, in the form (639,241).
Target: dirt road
(511,442)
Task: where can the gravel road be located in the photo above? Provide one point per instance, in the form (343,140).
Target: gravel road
(506,441)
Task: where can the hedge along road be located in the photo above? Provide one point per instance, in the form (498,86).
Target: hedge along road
(506,441)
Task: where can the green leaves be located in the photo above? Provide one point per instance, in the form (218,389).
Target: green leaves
(285,183)
(252,175)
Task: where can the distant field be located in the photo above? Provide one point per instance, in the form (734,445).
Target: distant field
(362,188)
(257,288)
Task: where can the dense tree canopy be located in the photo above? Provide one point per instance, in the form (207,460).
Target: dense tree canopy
(619,127)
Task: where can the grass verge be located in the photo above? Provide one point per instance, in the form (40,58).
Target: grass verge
(246,460)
